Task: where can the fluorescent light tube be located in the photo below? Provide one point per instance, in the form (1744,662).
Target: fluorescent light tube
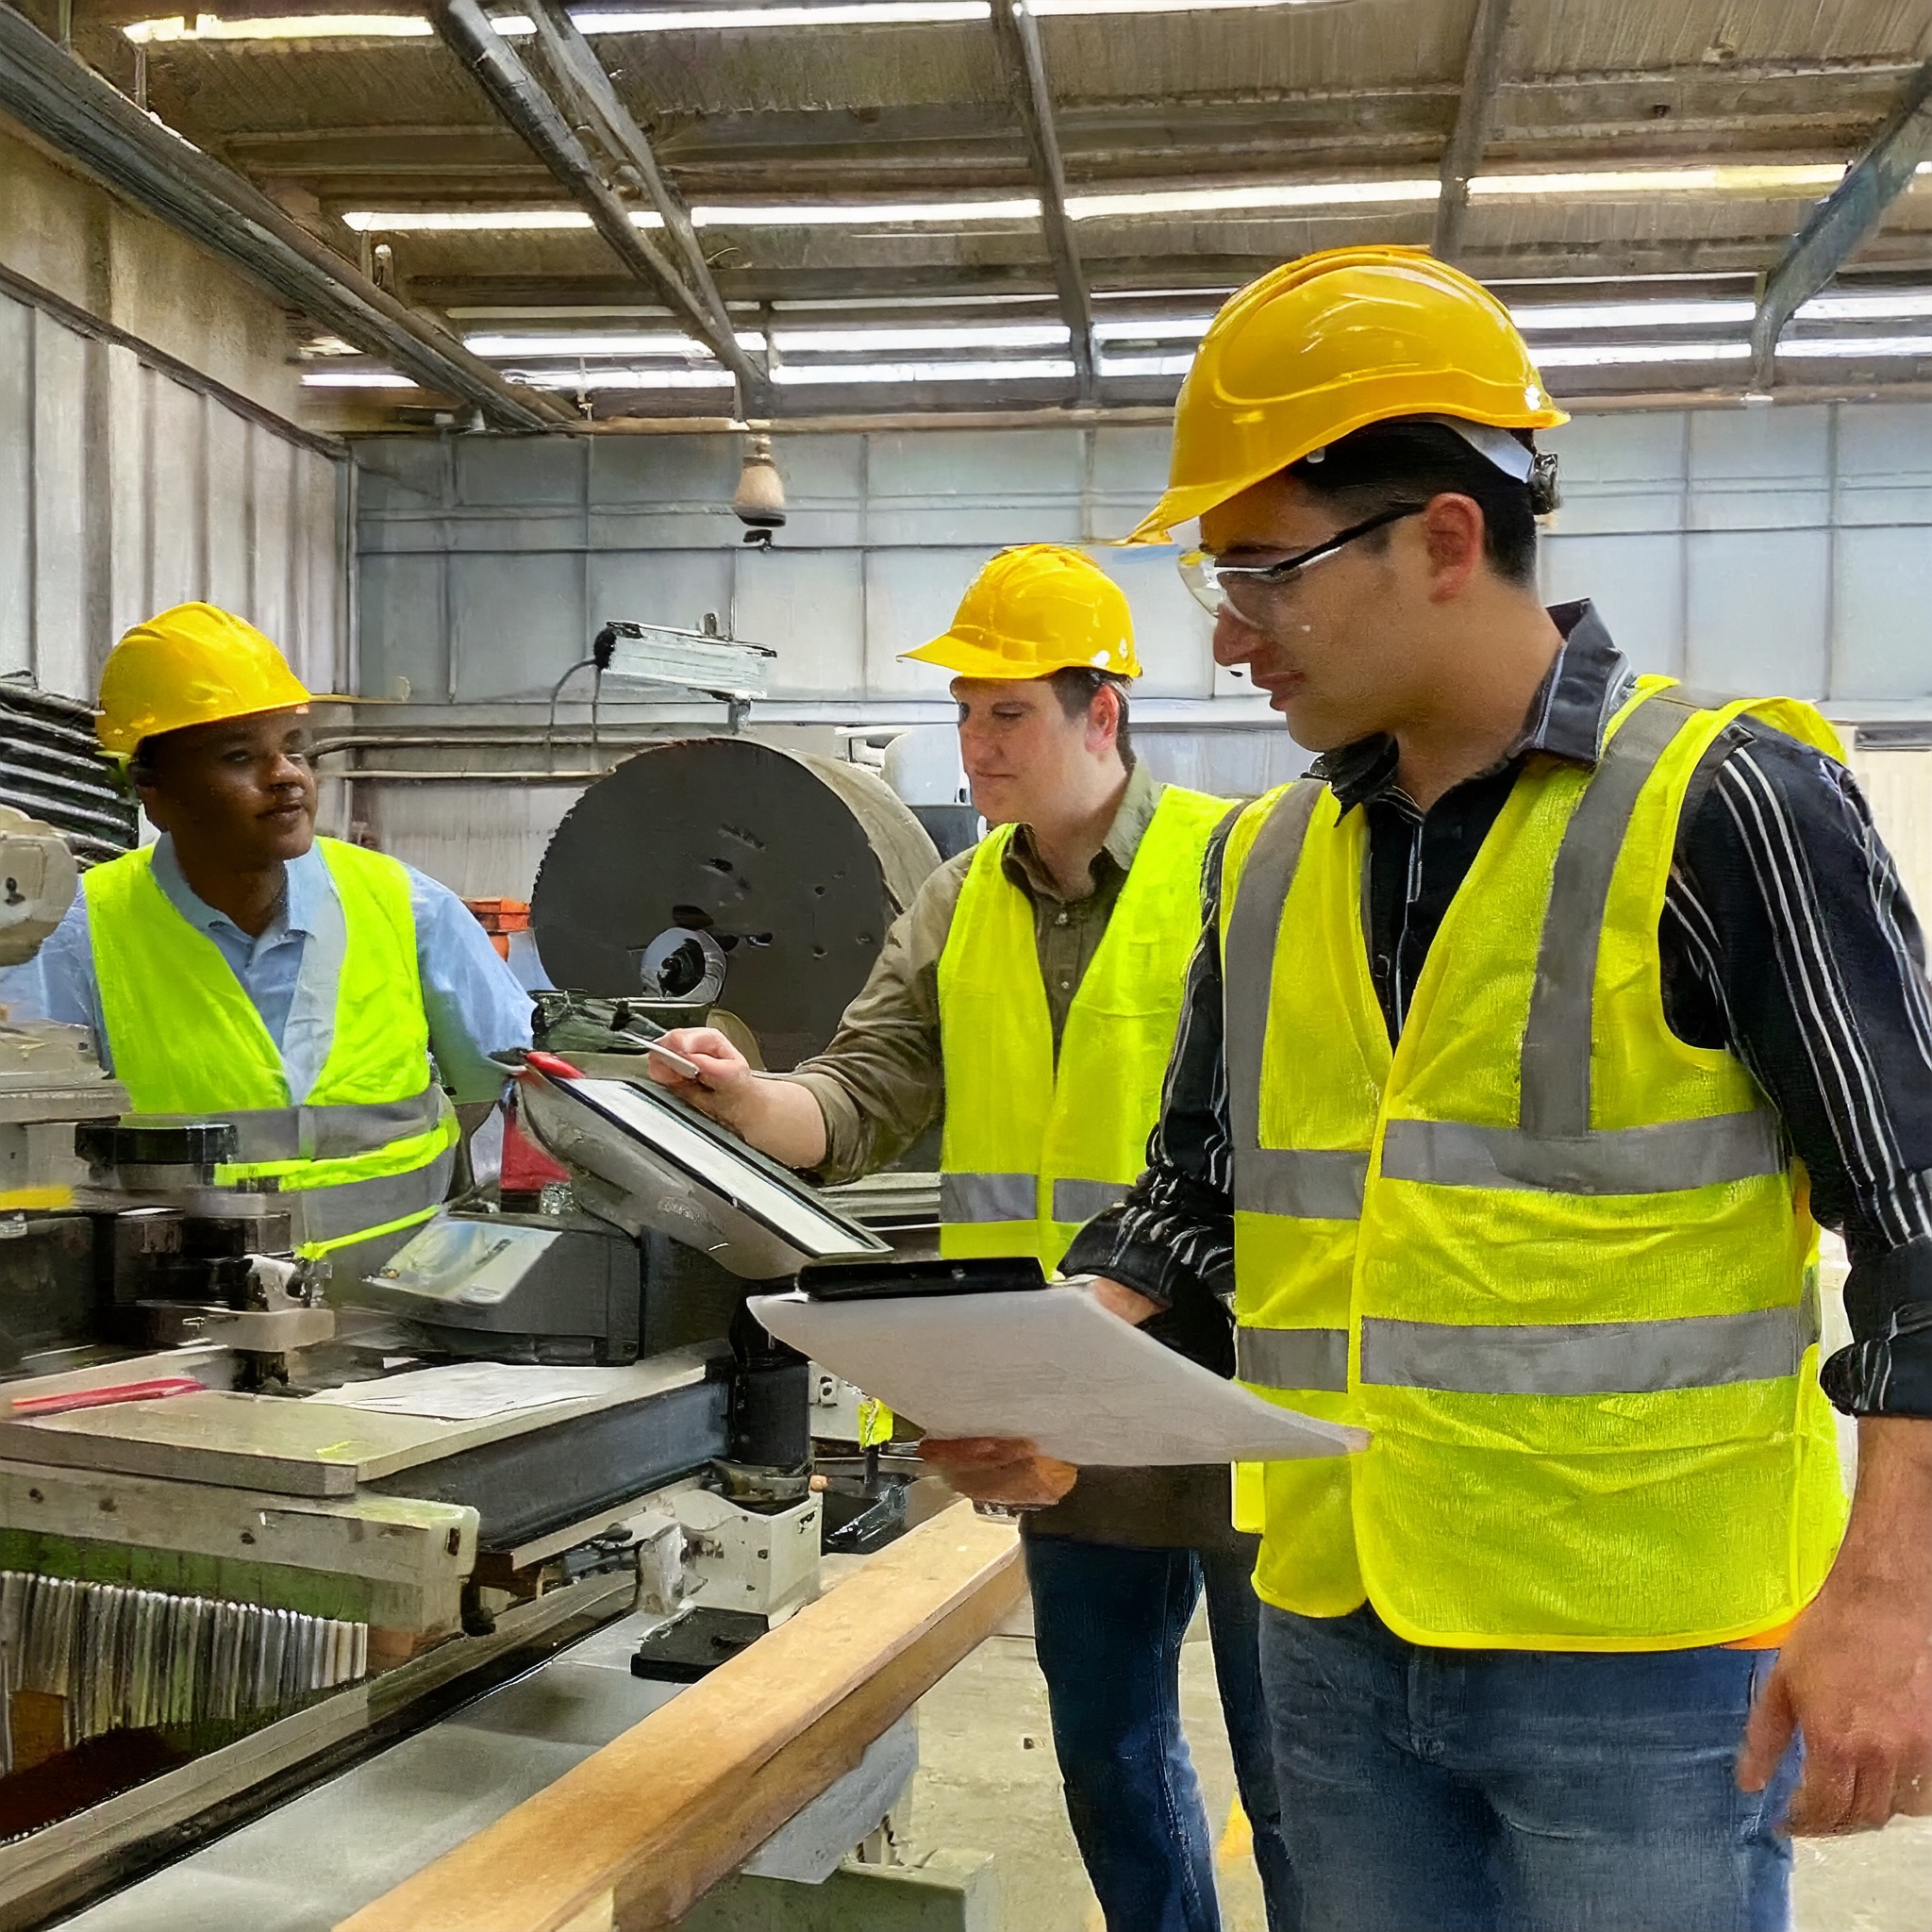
(574,380)
(826,214)
(1145,365)
(1853,347)
(834,342)
(1875,304)
(1186,201)
(1605,355)
(304,27)
(1739,181)
(475,220)
(662,343)
(1154,329)
(1044,370)
(610,20)
(355,378)
(1631,315)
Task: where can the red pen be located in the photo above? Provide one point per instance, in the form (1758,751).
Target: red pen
(102,1398)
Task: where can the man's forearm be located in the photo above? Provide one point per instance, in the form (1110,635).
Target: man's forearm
(1888,1542)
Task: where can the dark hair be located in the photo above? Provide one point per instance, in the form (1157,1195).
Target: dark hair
(1076,687)
(141,762)
(1406,461)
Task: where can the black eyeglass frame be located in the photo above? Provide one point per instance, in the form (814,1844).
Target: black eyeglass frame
(1201,571)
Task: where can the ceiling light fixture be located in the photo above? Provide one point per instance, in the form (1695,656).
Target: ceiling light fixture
(832,214)
(472,221)
(1188,201)
(1804,179)
(298,27)
(652,343)
(1854,347)
(824,373)
(611,20)
(355,378)
(1585,315)
(571,380)
(1608,355)
(1145,365)
(863,342)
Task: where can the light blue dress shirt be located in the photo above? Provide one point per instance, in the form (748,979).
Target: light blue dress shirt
(472,1002)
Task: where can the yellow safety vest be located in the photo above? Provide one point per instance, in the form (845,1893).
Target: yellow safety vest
(1558,1262)
(1030,1153)
(367,1151)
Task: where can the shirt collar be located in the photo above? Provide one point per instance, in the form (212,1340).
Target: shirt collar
(1566,720)
(1132,818)
(306,879)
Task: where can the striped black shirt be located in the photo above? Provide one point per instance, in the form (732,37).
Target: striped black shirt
(1786,938)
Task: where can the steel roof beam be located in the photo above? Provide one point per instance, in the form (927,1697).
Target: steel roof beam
(583,76)
(1846,216)
(1476,114)
(470,34)
(79,115)
(1019,40)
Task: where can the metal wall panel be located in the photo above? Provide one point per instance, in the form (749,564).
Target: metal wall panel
(123,491)
(1746,548)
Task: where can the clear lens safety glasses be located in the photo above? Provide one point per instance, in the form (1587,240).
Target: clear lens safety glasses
(1255,591)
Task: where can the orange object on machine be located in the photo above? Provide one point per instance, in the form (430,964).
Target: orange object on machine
(499,918)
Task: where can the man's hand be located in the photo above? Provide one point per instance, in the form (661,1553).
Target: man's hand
(991,1469)
(726,1074)
(997,1470)
(777,1116)
(1855,1676)
(1117,1298)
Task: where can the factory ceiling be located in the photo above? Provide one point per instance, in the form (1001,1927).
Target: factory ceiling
(909,204)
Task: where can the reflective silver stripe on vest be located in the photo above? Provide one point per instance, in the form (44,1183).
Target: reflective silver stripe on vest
(1083,1200)
(1661,1159)
(1310,1183)
(1291,1358)
(1589,1358)
(989,1197)
(326,1214)
(332,1133)
(1556,1037)
(1254,928)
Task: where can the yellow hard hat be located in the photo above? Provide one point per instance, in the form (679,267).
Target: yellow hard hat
(1325,345)
(195,664)
(1034,610)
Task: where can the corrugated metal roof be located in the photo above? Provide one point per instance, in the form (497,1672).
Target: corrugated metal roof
(1169,101)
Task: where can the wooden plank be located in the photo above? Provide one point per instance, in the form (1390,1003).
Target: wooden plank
(647,1824)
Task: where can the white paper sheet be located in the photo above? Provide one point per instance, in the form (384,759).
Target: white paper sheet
(1051,1365)
(469,1391)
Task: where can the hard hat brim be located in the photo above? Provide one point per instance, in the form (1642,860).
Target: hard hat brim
(964,658)
(121,745)
(1181,505)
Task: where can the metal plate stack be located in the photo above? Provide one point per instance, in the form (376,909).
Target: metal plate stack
(791,866)
(52,769)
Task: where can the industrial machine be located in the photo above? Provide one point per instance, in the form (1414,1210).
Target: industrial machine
(252,1519)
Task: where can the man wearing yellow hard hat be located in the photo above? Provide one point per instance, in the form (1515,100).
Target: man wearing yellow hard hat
(1524,1040)
(1032,988)
(242,968)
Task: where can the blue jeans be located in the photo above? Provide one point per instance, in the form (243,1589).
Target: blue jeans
(1107,1624)
(1494,1790)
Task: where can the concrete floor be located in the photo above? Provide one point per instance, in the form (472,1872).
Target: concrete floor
(988,1782)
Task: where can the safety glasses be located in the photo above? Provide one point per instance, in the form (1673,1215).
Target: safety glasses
(1255,591)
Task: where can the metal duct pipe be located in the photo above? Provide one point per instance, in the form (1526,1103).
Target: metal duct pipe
(468,32)
(76,112)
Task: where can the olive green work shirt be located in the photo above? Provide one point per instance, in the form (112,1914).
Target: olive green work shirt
(881,1081)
